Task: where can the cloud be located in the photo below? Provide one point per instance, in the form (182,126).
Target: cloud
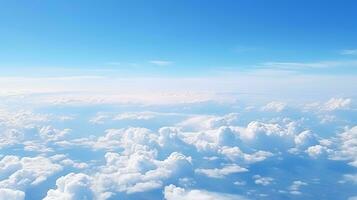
(350,178)
(172,192)
(135,116)
(337,104)
(274,106)
(72,187)
(349,52)
(345,146)
(51,134)
(295,187)
(309,65)
(161,62)
(207,122)
(221,172)
(316,150)
(264,181)
(20,173)
(10,194)
(139,172)
(135,151)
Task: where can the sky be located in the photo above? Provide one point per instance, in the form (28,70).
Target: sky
(178,100)
(192,37)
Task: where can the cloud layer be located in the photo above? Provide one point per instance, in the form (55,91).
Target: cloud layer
(200,150)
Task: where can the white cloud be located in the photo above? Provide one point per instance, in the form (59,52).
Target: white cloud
(172,192)
(337,104)
(21,118)
(10,137)
(264,181)
(309,65)
(221,172)
(274,106)
(71,187)
(349,52)
(139,171)
(51,134)
(135,116)
(350,178)
(316,150)
(345,146)
(99,118)
(235,154)
(21,173)
(207,122)
(9,194)
(161,62)
(295,187)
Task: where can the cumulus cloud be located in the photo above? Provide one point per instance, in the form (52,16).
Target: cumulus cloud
(172,192)
(20,173)
(71,187)
(139,172)
(346,148)
(10,194)
(137,153)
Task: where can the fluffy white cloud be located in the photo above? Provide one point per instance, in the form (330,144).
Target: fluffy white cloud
(72,187)
(20,173)
(172,192)
(316,150)
(139,172)
(346,146)
(9,194)
(153,154)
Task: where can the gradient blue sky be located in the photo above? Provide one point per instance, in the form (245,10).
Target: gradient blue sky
(178,100)
(192,37)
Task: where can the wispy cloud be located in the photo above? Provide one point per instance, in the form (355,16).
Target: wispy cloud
(114,63)
(161,62)
(349,52)
(310,65)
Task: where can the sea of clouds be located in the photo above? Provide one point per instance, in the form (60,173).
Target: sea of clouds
(82,149)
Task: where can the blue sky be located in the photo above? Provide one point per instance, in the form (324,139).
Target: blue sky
(178,100)
(194,37)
